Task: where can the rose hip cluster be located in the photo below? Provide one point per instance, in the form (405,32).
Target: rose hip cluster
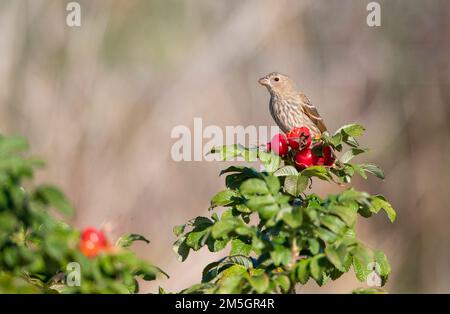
(93,242)
(299,141)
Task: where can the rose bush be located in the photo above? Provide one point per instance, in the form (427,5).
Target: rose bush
(280,235)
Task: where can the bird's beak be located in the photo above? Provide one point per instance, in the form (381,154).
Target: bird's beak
(264,81)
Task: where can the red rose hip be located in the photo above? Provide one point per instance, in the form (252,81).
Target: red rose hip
(92,242)
(304,158)
(299,138)
(279,145)
(328,157)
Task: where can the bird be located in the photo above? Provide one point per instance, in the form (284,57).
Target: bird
(289,107)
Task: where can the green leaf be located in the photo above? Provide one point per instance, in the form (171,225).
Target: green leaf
(250,154)
(283,282)
(293,217)
(317,268)
(334,141)
(216,245)
(346,213)
(373,169)
(268,211)
(221,228)
(353,130)
(350,154)
(223,198)
(286,171)
(273,183)
(317,171)
(295,185)
(241,260)
(270,161)
(281,256)
(228,152)
(362,257)
(196,239)
(254,187)
(302,271)
(326,235)
(259,283)
(239,247)
(52,196)
(379,202)
(337,256)
(231,278)
(181,249)
(256,202)
(128,239)
(333,223)
(178,230)
(314,246)
(384,267)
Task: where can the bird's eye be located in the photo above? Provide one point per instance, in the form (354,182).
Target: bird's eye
(276,79)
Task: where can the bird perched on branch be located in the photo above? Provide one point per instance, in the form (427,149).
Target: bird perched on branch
(290,108)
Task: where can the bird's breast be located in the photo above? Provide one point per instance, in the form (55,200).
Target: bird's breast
(289,114)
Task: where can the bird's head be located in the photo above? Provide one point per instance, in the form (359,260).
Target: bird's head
(277,83)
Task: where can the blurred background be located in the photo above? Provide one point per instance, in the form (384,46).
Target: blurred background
(99,102)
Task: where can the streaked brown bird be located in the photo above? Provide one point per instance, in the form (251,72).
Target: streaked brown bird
(290,108)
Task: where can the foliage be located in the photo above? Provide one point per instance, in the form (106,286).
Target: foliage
(280,236)
(36,248)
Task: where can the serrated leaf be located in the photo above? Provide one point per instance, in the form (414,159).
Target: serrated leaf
(337,256)
(259,283)
(286,171)
(295,185)
(333,223)
(281,256)
(302,271)
(381,259)
(362,258)
(379,202)
(243,261)
(239,247)
(316,268)
(326,235)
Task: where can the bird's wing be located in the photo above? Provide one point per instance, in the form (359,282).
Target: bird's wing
(311,111)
